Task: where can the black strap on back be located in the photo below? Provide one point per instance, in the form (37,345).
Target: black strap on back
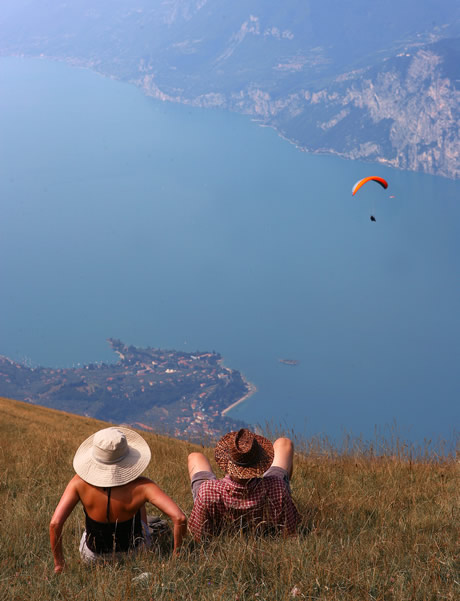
(109,490)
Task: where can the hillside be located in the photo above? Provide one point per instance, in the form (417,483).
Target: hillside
(374,527)
(375,81)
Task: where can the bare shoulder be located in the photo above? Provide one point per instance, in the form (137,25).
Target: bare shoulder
(78,484)
(140,483)
(141,486)
(150,489)
(142,480)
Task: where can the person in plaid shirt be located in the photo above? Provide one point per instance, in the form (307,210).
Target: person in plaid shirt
(254,493)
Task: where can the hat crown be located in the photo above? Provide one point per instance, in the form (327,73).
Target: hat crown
(244,454)
(244,450)
(109,446)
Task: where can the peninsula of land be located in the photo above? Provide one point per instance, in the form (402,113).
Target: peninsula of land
(181,394)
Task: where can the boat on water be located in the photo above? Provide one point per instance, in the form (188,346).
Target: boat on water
(288,361)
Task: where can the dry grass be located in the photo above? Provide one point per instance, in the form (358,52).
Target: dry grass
(376,527)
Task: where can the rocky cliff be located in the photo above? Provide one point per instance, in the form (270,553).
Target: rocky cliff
(378,81)
(404,112)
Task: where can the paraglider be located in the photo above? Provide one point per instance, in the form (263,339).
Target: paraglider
(373,178)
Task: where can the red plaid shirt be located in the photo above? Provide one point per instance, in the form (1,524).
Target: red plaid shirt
(259,503)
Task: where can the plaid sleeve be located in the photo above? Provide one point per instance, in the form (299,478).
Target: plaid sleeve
(205,512)
(198,519)
(285,513)
(291,516)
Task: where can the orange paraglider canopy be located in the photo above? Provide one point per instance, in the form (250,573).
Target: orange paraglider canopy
(363,181)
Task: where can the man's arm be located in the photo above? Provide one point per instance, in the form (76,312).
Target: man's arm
(64,508)
(290,515)
(207,513)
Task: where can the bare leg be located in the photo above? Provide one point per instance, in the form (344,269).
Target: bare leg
(284,454)
(197,462)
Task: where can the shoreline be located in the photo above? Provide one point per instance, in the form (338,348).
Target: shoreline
(157,94)
(252,390)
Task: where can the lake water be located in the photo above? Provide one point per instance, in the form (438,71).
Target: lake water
(181,228)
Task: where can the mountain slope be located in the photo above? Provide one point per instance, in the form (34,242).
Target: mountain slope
(404,112)
(377,527)
(331,76)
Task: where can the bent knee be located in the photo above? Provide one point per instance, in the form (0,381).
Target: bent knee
(283,444)
(197,462)
(194,457)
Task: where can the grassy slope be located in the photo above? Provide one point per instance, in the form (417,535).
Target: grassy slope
(382,528)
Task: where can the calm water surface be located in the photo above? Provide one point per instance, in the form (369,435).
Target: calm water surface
(181,228)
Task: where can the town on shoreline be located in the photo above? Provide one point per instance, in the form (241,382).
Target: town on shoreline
(186,395)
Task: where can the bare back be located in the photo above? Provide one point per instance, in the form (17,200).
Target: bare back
(125,500)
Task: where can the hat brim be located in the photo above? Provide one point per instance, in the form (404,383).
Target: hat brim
(264,459)
(115,474)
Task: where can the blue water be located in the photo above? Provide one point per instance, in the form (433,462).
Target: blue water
(181,228)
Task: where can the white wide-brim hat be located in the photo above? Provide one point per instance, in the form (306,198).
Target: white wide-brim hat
(112,457)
